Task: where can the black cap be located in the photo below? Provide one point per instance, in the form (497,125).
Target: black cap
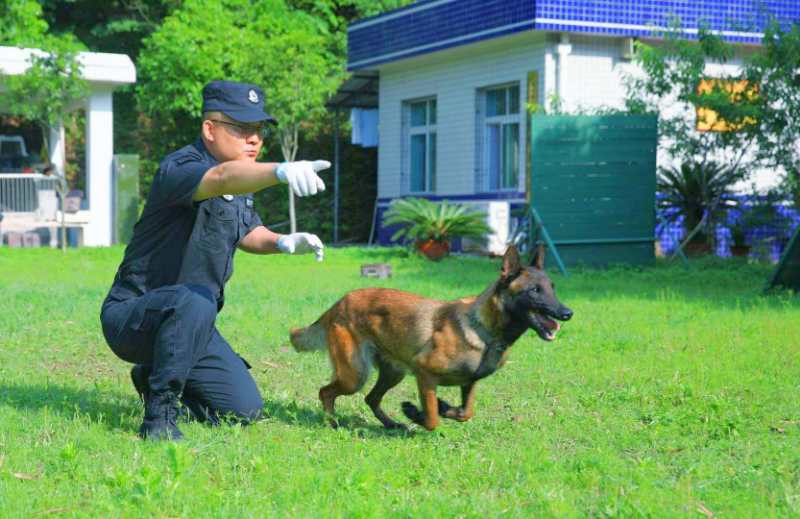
(240,101)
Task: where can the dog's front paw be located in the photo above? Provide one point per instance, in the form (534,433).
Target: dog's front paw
(453,413)
(412,413)
(446,410)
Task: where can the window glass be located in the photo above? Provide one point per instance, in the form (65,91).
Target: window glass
(493,155)
(432,162)
(495,102)
(432,112)
(418,113)
(418,161)
(510,155)
(501,138)
(513,101)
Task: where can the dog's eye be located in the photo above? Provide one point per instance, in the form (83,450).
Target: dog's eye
(536,289)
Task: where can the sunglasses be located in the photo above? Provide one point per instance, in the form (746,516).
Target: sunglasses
(245,130)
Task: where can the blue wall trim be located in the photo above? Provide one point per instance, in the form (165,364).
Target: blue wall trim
(431,25)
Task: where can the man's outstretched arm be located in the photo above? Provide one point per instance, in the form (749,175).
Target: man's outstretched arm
(237,177)
(263,241)
(260,241)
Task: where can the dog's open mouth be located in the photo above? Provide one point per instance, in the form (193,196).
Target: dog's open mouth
(544,326)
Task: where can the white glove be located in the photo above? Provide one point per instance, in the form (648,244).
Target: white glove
(301,243)
(302,176)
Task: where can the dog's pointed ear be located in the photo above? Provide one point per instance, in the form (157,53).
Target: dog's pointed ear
(537,260)
(511,264)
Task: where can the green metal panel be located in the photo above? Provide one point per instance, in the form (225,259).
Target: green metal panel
(788,272)
(126,196)
(593,182)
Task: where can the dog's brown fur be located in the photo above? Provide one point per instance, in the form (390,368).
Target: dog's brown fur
(442,343)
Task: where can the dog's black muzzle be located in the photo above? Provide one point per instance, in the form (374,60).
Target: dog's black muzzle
(562,314)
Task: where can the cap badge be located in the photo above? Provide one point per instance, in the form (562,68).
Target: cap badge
(252,96)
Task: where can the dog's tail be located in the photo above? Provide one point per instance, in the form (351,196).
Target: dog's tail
(310,338)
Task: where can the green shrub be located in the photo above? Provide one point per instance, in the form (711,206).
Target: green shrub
(424,220)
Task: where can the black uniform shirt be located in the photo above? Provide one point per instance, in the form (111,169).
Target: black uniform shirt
(179,241)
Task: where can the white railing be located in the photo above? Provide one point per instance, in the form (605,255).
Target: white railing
(30,193)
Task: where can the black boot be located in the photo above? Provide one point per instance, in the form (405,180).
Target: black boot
(160,415)
(139,375)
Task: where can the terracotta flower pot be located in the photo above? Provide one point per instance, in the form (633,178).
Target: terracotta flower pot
(433,249)
(697,248)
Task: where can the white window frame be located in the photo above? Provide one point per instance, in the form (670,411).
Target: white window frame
(428,129)
(482,141)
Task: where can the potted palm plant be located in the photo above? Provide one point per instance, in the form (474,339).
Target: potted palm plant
(430,226)
(696,191)
(759,213)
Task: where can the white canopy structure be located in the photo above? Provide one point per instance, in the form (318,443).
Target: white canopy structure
(104,72)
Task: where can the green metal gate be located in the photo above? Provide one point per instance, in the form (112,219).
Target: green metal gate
(593,182)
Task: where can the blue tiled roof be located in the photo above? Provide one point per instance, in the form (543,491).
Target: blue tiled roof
(426,26)
(430,25)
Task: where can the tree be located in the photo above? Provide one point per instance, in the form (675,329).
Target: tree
(776,69)
(296,92)
(706,114)
(677,85)
(336,14)
(50,88)
(52,85)
(22,25)
(282,50)
(116,26)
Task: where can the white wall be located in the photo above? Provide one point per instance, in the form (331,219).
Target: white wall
(454,76)
(593,69)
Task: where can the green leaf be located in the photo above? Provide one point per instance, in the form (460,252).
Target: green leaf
(422,219)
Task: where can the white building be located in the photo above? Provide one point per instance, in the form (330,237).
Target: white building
(455,77)
(104,72)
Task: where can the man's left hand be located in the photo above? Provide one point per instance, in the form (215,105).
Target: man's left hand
(301,243)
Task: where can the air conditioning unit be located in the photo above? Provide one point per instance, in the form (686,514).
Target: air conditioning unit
(498,218)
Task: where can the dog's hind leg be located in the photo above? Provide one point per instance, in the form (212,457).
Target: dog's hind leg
(388,377)
(351,368)
(467,409)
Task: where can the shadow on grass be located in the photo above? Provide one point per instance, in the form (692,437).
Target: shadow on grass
(111,410)
(123,413)
(295,415)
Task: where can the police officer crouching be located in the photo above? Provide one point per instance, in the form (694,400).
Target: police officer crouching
(160,312)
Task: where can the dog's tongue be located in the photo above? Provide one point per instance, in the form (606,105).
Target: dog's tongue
(551,324)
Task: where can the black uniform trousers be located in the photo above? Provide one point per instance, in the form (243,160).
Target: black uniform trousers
(171,329)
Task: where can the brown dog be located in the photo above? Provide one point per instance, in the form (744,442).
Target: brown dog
(452,343)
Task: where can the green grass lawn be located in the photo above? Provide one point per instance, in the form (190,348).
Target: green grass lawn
(670,393)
